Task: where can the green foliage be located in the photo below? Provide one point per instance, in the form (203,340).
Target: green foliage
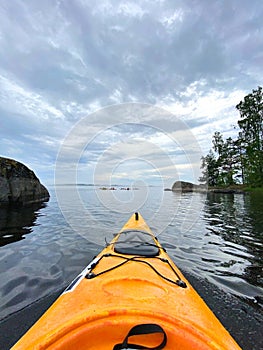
(210,171)
(251,137)
(240,160)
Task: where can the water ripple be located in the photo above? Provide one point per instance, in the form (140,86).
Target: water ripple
(216,237)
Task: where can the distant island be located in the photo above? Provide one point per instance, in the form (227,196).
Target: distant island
(184,186)
(19,185)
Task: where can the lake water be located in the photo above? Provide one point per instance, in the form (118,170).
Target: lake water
(218,237)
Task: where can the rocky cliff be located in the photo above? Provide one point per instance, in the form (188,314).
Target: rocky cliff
(19,185)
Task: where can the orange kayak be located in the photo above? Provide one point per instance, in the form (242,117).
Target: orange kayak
(131,296)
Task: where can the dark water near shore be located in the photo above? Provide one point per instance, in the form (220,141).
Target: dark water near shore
(218,237)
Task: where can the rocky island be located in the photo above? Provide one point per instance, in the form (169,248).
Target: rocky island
(184,186)
(19,185)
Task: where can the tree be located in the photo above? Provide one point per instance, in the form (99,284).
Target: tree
(243,157)
(227,163)
(251,136)
(239,160)
(218,142)
(210,169)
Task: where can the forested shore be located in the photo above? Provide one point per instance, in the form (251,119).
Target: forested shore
(238,162)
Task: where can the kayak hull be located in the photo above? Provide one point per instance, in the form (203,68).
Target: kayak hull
(119,291)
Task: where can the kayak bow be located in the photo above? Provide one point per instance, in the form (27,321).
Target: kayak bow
(130,296)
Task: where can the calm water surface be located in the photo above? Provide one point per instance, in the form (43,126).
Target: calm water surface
(218,237)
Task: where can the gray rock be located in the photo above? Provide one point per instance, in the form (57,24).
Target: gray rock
(19,185)
(184,186)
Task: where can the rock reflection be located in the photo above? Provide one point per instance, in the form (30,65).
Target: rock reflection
(16,222)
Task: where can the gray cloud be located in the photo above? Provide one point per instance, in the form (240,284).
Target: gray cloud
(62,60)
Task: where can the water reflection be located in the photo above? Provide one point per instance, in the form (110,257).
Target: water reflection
(238,220)
(16,222)
(216,237)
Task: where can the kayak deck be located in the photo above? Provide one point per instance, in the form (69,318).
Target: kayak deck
(131,283)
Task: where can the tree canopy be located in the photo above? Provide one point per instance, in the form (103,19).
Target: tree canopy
(240,160)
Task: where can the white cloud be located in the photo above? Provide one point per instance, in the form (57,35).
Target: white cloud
(215,107)
(116,96)
(130,9)
(170,21)
(63,61)
(16,98)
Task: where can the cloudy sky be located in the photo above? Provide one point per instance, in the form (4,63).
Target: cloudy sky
(120,91)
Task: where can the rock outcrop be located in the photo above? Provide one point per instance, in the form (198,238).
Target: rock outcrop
(19,185)
(184,186)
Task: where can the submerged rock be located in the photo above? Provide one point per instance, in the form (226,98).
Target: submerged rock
(19,185)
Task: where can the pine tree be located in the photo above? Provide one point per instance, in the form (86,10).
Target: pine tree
(227,162)
(243,157)
(210,169)
(251,136)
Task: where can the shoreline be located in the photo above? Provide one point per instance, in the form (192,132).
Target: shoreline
(183,187)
